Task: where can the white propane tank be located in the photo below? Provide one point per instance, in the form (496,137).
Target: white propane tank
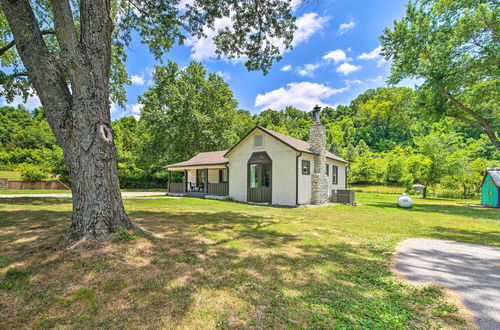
(405,201)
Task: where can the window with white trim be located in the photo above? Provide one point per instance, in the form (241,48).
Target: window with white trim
(335,174)
(306,167)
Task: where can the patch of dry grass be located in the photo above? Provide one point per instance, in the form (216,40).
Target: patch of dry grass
(214,264)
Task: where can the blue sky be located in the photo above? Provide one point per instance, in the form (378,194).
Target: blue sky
(335,58)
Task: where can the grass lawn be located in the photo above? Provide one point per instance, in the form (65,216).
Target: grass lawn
(213,264)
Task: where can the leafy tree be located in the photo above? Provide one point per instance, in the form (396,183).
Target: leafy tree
(185,112)
(72,54)
(30,172)
(436,149)
(389,110)
(454,46)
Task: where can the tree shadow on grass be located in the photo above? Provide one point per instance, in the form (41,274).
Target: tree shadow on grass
(462,235)
(35,201)
(219,269)
(460,210)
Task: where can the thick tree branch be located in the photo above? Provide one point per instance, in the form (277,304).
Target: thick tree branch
(486,127)
(43,68)
(467,121)
(96,29)
(11,44)
(65,27)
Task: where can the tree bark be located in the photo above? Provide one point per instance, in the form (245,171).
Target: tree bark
(79,118)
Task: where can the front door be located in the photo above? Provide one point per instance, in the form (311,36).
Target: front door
(259,178)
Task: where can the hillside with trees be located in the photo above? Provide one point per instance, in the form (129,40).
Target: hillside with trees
(384,133)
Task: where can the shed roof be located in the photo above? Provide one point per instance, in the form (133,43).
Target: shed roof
(203,158)
(494,173)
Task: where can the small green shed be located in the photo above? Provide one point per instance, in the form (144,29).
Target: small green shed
(490,187)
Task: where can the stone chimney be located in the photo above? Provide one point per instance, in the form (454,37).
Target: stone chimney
(317,135)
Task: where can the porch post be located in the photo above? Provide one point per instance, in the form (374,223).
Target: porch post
(185,180)
(169,180)
(206,180)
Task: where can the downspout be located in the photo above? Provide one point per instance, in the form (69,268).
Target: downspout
(227,167)
(297,178)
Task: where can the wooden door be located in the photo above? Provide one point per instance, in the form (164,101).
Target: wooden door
(259,183)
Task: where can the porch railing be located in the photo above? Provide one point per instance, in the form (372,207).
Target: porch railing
(219,189)
(176,187)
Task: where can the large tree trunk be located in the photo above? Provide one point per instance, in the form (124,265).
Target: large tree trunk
(80,116)
(97,204)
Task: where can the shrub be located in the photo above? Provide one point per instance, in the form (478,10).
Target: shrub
(30,172)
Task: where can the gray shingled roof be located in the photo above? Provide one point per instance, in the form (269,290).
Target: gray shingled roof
(494,172)
(203,158)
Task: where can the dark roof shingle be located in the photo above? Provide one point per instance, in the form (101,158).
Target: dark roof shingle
(203,158)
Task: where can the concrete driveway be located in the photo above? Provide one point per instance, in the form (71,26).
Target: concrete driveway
(125,194)
(473,271)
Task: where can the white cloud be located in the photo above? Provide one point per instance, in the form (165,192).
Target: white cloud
(344,27)
(307,25)
(337,56)
(137,79)
(371,55)
(224,75)
(353,82)
(204,48)
(377,79)
(302,95)
(113,108)
(135,109)
(347,68)
(308,70)
(374,55)
(286,68)
(31,103)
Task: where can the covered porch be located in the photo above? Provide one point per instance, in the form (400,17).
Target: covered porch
(198,181)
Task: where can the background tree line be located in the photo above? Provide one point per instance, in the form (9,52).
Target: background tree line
(385,134)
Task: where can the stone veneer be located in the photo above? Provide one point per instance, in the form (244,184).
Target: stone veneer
(319,185)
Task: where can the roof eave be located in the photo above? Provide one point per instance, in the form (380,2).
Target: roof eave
(195,165)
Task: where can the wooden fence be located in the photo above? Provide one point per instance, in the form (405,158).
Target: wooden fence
(48,185)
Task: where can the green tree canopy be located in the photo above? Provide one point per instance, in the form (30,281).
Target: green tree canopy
(454,47)
(187,111)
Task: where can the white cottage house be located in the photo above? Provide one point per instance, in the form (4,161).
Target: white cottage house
(265,167)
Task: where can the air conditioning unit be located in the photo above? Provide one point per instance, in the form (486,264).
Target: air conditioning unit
(342,196)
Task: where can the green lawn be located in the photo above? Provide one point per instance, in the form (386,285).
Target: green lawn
(212,264)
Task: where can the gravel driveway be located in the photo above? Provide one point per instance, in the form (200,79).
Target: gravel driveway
(473,271)
(125,194)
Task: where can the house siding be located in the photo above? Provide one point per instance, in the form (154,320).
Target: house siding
(283,169)
(305,181)
(341,176)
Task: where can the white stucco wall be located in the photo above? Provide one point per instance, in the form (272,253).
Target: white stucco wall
(304,196)
(283,169)
(341,176)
